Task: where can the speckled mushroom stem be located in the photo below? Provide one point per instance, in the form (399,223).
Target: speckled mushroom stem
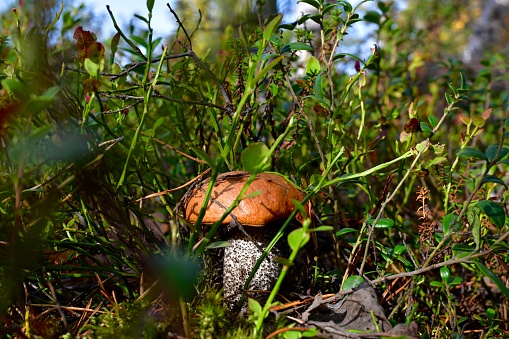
(240,259)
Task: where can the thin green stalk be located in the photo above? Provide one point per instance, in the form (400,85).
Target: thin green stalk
(146,99)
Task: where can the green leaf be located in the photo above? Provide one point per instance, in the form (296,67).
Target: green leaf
(352,282)
(313,3)
(496,280)
(399,249)
(158,123)
(204,156)
(433,121)
(490,313)
(449,99)
(445,273)
(436,284)
(321,229)
(475,224)
(436,161)
(289,27)
(219,244)
(297,238)
(494,179)
(478,121)
(255,307)
(271,27)
(313,66)
(494,211)
(447,221)
(372,16)
(491,153)
(150,5)
(455,281)
(461,250)
(345,231)
(342,55)
(384,223)
(264,71)
(425,127)
(255,158)
(296,46)
(17,89)
(318,87)
(92,68)
(470,152)
(35,105)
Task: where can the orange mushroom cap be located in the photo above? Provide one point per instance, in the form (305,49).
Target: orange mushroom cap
(274,202)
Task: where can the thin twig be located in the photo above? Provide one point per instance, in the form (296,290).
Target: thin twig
(126,39)
(181,25)
(189,102)
(173,189)
(123,108)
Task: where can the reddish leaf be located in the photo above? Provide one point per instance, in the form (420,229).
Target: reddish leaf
(7,108)
(83,41)
(411,126)
(90,85)
(357,66)
(95,52)
(320,110)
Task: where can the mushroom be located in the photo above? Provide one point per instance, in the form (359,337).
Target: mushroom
(258,216)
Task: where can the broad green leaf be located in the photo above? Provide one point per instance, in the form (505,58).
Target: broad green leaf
(433,121)
(494,179)
(478,121)
(436,284)
(445,273)
(296,46)
(254,158)
(342,55)
(384,223)
(318,86)
(37,104)
(352,282)
(255,307)
(455,281)
(475,224)
(494,211)
(92,68)
(150,5)
(297,238)
(345,231)
(17,89)
(447,221)
(271,27)
(313,66)
(372,16)
(313,3)
(399,249)
(436,161)
(425,127)
(491,153)
(493,277)
(470,152)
